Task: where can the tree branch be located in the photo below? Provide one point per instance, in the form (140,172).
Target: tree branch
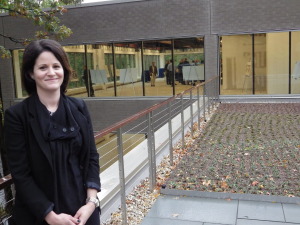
(20,41)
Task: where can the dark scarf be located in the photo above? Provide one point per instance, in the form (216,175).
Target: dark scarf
(58,126)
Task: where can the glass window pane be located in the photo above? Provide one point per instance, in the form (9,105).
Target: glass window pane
(93,79)
(295,63)
(236,65)
(189,62)
(275,79)
(155,54)
(100,65)
(76,56)
(17,63)
(128,69)
(260,65)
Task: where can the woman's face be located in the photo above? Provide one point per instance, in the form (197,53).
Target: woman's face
(48,73)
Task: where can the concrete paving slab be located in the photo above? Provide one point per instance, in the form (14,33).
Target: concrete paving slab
(266,211)
(217,211)
(292,213)
(214,224)
(161,221)
(258,222)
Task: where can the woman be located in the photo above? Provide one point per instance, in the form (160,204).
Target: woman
(50,145)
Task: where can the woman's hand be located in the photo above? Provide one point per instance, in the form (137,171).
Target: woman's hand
(84,213)
(61,219)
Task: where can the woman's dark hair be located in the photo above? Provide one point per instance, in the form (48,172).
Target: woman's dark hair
(32,52)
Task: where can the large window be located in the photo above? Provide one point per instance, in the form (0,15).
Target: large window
(189,62)
(128,69)
(295,62)
(123,69)
(154,52)
(276,79)
(258,64)
(76,55)
(236,65)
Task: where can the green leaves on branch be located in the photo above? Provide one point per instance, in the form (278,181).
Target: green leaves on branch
(4,52)
(43,13)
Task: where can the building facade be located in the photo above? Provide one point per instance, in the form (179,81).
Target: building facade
(253,46)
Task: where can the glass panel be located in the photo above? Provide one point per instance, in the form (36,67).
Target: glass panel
(236,65)
(189,62)
(157,53)
(17,63)
(100,65)
(93,79)
(128,69)
(295,63)
(76,55)
(260,65)
(272,63)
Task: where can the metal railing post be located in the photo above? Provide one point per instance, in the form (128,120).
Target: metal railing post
(122,176)
(214,94)
(191,112)
(217,91)
(198,106)
(208,99)
(204,102)
(182,121)
(170,134)
(151,153)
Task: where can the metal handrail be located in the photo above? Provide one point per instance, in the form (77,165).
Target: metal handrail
(212,96)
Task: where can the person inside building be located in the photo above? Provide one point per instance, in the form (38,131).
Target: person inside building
(50,145)
(166,72)
(170,72)
(153,74)
(88,82)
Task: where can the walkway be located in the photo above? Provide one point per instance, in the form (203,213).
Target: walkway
(198,208)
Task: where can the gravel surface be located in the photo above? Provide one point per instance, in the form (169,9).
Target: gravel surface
(245,148)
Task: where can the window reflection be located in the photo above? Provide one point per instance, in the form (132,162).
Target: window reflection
(128,69)
(76,55)
(189,62)
(260,64)
(101,70)
(295,62)
(236,65)
(270,61)
(123,69)
(276,78)
(155,54)
(17,63)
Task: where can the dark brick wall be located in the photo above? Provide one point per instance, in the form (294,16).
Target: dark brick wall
(252,16)
(141,20)
(105,112)
(7,82)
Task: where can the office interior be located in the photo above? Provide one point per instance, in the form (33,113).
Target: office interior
(250,64)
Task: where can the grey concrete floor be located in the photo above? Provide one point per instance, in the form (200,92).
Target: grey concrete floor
(195,210)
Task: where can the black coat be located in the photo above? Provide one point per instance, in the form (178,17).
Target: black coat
(30,159)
